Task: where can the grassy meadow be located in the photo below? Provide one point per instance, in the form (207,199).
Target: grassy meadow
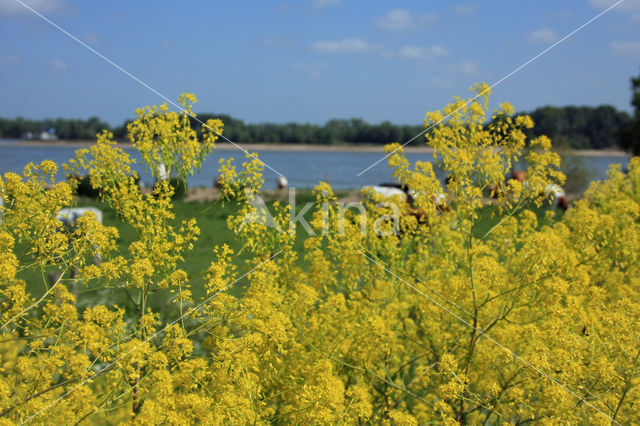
(211,218)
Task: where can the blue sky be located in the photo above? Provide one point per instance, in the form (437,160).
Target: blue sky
(312,60)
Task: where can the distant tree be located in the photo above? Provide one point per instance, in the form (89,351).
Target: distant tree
(120,132)
(335,131)
(579,127)
(630,138)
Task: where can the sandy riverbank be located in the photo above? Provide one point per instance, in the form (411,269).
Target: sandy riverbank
(303,148)
(248,146)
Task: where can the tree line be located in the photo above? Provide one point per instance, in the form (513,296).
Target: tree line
(62,128)
(630,138)
(570,126)
(580,127)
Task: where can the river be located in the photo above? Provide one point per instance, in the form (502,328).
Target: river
(303,168)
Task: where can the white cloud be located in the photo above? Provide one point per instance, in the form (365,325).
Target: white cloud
(466,8)
(625,6)
(325,3)
(8,60)
(401,20)
(415,52)
(543,35)
(629,7)
(456,74)
(626,48)
(59,65)
(358,45)
(465,68)
(13,8)
(348,45)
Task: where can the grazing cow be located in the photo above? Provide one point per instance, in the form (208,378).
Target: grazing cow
(555,191)
(282,182)
(558,195)
(217,182)
(390,189)
(69,216)
(519,175)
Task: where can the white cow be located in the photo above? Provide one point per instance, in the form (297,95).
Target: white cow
(70,215)
(282,182)
(387,190)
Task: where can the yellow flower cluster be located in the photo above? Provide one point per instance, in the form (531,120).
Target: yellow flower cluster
(449,317)
(166,141)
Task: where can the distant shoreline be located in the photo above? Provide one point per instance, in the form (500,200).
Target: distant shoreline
(301,148)
(248,146)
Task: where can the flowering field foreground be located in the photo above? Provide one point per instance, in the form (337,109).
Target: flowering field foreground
(530,321)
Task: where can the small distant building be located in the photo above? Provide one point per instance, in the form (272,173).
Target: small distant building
(48,135)
(45,135)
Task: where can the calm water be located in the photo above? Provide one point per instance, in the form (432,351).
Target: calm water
(303,169)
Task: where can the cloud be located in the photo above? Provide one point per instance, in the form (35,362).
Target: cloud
(625,6)
(464,68)
(455,74)
(466,8)
(543,35)
(415,52)
(9,60)
(358,45)
(630,7)
(13,8)
(402,20)
(348,45)
(626,48)
(325,3)
(59,65)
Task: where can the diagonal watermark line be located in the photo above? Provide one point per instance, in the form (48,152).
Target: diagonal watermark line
(500,345)
(494,85)
(133,77)
(113,363)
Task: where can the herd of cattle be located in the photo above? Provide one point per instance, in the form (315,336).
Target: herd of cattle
(69,216)
(553,191)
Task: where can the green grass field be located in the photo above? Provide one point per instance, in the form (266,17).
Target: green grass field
(211,218)
(212,221)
